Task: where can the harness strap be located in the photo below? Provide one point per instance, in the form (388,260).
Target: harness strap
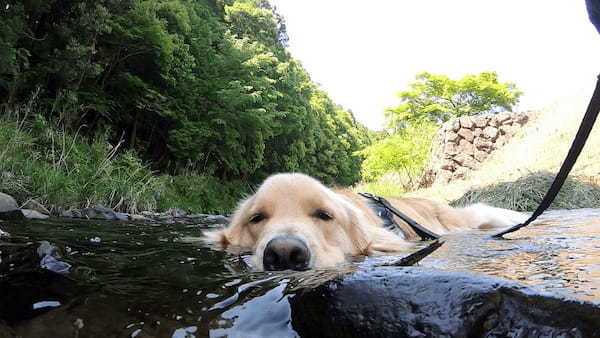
(582,134)
(419,229)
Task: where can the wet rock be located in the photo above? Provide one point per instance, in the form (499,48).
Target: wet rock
(139,218)
(178,213)
(388,302)
(97,212)
(4,234)
(36,206)
(9,210)
(218,219)
(7,203)
(33,214)
(50,258)
(120,216)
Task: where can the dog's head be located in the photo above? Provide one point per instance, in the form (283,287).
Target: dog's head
(295,222)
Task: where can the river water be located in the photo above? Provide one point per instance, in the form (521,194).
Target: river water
(146,279)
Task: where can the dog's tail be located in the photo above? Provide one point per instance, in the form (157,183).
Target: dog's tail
(486,217)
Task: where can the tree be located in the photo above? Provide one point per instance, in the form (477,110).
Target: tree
(438,98)
(405,152)
(203,85)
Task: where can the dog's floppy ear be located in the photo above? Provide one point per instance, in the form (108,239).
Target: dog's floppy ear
(230,235)
(359,238)
(217,237)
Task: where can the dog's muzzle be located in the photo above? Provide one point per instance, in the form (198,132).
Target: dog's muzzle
(286,252)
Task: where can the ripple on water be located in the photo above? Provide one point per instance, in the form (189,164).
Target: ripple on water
(147,266)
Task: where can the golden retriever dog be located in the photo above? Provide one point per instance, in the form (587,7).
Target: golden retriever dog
(295,222)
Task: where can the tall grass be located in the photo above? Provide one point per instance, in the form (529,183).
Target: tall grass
(64,170)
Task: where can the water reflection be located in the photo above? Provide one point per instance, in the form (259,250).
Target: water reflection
(559,254)
(155,277)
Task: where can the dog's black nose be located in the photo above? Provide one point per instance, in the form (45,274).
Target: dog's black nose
(286,252)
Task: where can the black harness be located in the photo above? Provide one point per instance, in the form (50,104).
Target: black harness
(386,212)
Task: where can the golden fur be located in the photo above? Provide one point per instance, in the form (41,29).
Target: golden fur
(295,204)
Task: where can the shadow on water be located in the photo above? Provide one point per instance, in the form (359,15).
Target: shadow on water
(151,280)
(146,278)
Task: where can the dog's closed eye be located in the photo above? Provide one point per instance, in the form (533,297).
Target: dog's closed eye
(323,215)
(257,218)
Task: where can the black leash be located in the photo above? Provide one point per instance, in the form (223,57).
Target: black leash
(419,229)
(582,135)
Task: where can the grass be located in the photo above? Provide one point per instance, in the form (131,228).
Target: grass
(518,175)
(64,170)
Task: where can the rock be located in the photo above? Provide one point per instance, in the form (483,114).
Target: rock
(455,124)
(477,132)
(120,216)
(466,134)
(69,213)
(413,302)
(521,119)
(483,144)
(502,117)
(50,258)
(451,137)
(33,214)
(149,213)
(9,210)
(466,147)
(493,122)
(178,213)
(7,203)
(466,122)
(4,234)
(451,149)
(217,219)
(139,218)
(197,216)
(466,161)
(35,205)
(480,121)
(490,133)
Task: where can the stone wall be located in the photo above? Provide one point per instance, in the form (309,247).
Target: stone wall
(465,142)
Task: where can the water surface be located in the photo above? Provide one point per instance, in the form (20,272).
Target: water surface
(147,278)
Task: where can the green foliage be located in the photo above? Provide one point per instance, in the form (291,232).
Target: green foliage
(438,98)
(404,154)
(204,85)
(63,170)
(196,192)
(53,165)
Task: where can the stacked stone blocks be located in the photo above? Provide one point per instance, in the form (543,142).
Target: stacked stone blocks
(467,141)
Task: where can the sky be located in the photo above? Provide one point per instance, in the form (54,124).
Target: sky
(364,52)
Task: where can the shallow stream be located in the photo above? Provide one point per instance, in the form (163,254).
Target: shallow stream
(147,279)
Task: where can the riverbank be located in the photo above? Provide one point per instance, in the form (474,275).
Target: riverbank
(62,171)
(518,175)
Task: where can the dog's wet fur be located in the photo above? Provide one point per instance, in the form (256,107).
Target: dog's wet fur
(293,221)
